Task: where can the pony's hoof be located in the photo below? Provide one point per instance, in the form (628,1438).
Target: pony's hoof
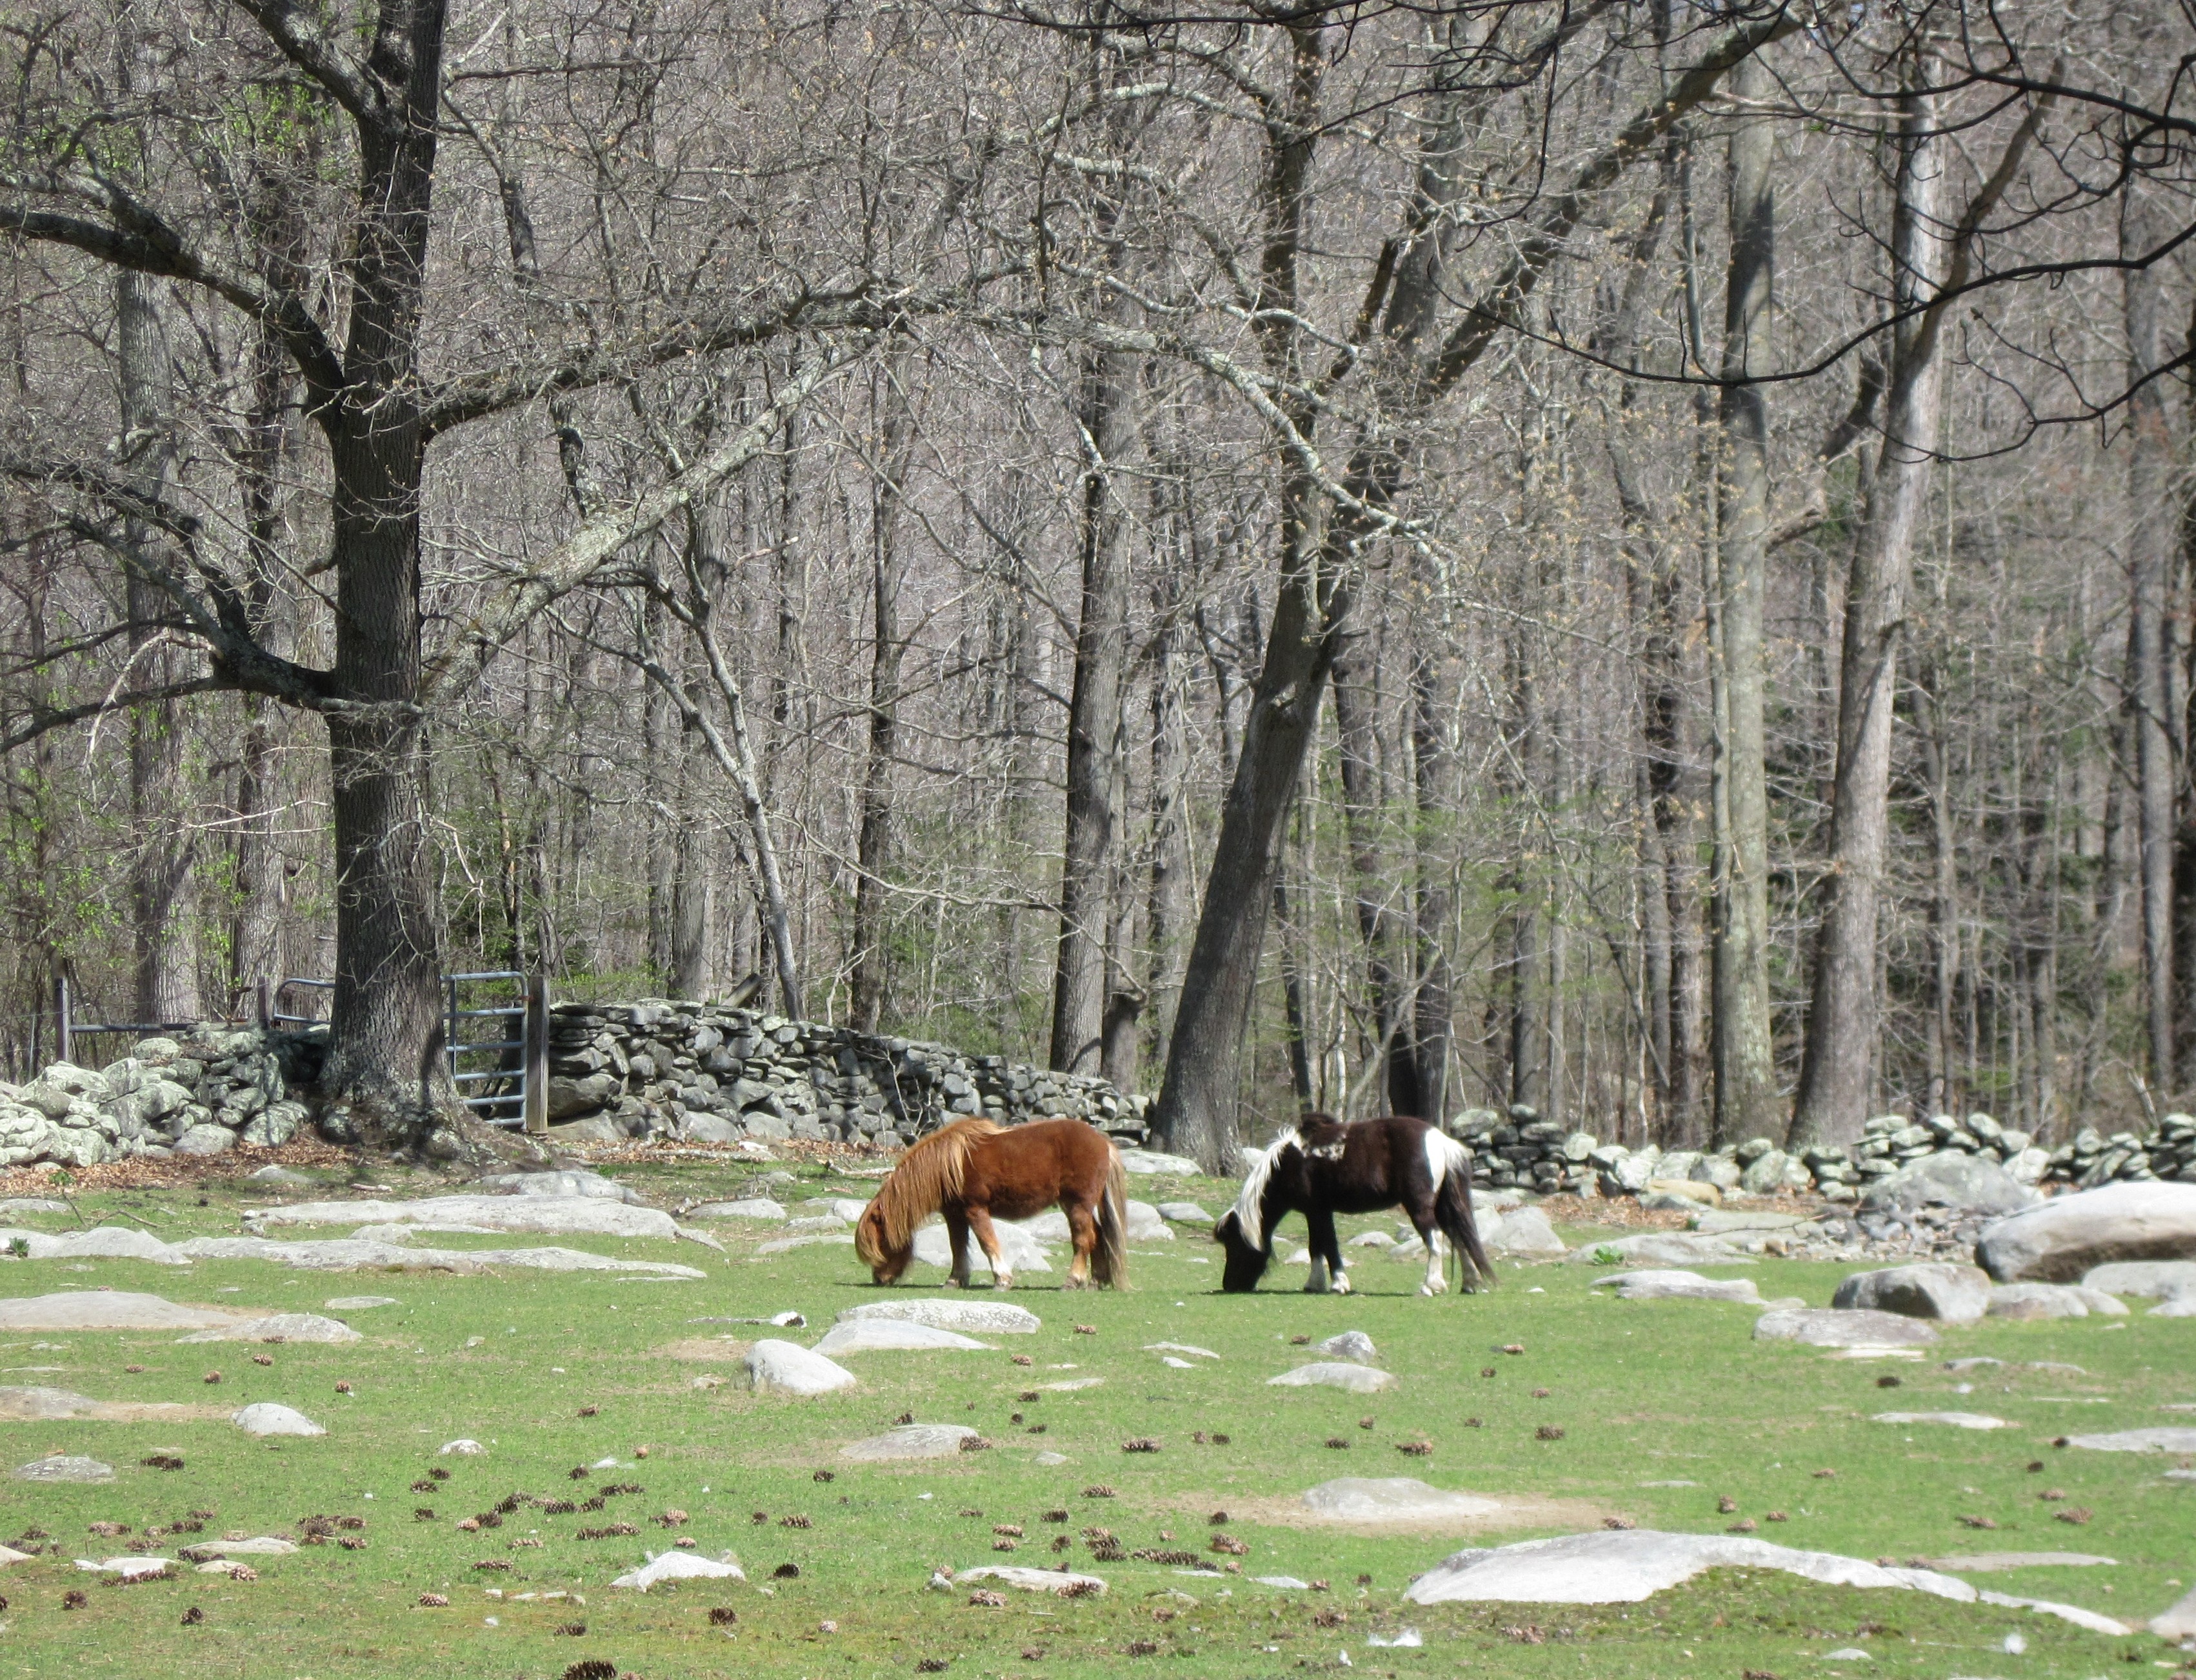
(1002,1280)
(1341,1284)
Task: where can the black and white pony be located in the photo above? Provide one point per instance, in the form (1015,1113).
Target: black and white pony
(1320,1168)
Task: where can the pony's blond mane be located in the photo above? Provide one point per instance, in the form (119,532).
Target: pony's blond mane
(928,1176)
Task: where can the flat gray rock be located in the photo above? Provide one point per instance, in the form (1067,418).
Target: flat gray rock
(1729,1221)
(40,1406)
(1354,1345)
(1355,1379)
(1024,1579)
(1184,1213)
(1525,1231)
(2178,1623)
(2139,1440)
(1950,1293)
(263,1545)
(349,1254)
(911,1440)
(48,1405)
(279,1327)
(561,1215)
(1021,1250)
(1949,1179)
(1991,1563)
(1144,1223)
(1661,1248)
(1678,1285)
(576,1181)
(358,1303)
(2070,1236)
(15,1206)
(848,1208)
(1625,1566)
(1958,1420)
(786,1368)
(1049,1226)
(1399,1499)
(1146,1163)
(60,1468)
(807,1239)
(2053,1301)
(883,1336)
(265,1418)
(104,1242)
(271,1173)
(747,1207)
(678,1565)
(2151,1279)
(106,1309)
(2182,1305)
(1829,1327)
(1196,1351)
(981,1318)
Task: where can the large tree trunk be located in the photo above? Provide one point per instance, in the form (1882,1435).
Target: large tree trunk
(1743,1046)
(1841,1052)
(1094,715)
(164,851)
(385,1064)
(1196,1112)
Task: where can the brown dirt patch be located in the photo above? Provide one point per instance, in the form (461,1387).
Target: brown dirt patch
(109,1411)
(1518,1510)
(177,1171)
(710,1349)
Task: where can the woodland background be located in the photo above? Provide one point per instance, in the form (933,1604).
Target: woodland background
(891,468)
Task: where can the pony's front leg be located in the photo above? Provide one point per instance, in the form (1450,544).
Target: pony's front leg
(979,1221)
(956,1233)
(1326,1271)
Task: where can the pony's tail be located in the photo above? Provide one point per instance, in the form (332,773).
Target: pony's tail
(1452,1208)
(1109,1260)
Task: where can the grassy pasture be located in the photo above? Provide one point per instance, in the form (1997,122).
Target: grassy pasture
(1642,1393)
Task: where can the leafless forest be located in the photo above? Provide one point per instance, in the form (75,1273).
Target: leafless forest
(1628,558)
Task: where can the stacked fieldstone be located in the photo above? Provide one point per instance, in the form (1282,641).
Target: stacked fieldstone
(2092,1159)
(200,1094)
(1521,1151)
(707,1073)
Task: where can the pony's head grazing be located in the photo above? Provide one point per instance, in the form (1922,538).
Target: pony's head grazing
(1244,1231)
(928,1176)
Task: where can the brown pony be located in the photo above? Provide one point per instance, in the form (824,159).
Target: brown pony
(971,1170)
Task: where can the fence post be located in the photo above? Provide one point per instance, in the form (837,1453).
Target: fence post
(62,1033)
(536,1109)
(266,1004)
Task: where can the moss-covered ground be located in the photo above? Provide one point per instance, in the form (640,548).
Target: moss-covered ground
(1648,1412)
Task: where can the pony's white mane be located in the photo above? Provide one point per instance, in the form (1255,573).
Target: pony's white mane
(1251,1200)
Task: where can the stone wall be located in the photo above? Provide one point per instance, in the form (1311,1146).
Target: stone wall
(1521,1150)
(706,1073)
(198,1095)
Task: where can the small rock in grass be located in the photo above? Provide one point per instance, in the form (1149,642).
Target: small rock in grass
(265,1418)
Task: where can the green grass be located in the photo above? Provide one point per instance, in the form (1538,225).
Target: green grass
(1641,1392)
